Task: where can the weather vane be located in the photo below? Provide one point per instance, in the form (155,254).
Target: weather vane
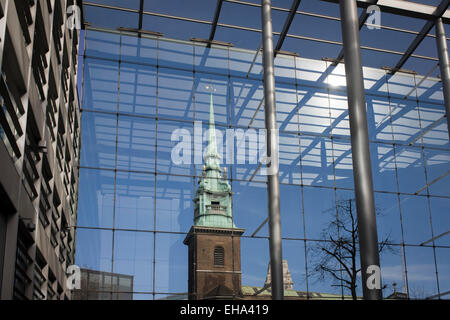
(210,88)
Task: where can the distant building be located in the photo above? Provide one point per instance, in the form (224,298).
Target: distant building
(287,279)
(99,285)
(39,148)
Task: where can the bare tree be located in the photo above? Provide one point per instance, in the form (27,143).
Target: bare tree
(337,254)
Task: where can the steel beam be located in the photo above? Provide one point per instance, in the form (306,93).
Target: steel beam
(362,171)
(214,23)
(440,10)
(273,185)
(287,25)
(141,10)
(444,65)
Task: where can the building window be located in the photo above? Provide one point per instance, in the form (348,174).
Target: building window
(219,254)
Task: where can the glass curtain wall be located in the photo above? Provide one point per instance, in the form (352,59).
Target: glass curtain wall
(135,204)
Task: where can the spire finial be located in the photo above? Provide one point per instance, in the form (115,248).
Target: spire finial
(212,157)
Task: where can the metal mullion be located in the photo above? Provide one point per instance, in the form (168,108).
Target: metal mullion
(115,160)
(301,180)
(427,188)
(156,170)
(327,70)
(402,231)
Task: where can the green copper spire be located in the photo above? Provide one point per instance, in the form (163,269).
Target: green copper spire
(212,159)
(213,205)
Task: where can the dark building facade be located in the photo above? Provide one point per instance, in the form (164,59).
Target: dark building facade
(39,147)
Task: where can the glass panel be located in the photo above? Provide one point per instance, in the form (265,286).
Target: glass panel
(392,272)
(343,165)
(284,69)
(102,44)
(108,18)
(174,148)
(137,89)
(405,120)
(314,111)
(100,85)
(174,206)
(286,106)
(440,214)
(379,119)
(388,218)
(322,285)
(96,198)
(291,212)
(443,263)
(421,272)
(136,144)
(320,210)
(133,260)
(339,114)
(437,165)
(294,254)
(289,159)
(135,203)
(410,169)
(171,267)
(203,83)
(139,49)
(317,161)
(433,121)
(250,207)
(416,219)
(383,167)
(98,134)
(241,63)
(175,95)
(245,99)
(94,249)
(175,54)
(254,261)
(213,59)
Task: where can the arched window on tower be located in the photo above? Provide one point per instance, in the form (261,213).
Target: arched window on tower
(219,256)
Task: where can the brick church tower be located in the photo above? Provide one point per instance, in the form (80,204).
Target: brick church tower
(213,241)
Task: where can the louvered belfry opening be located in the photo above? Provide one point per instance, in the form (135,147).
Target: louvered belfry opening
(219,254)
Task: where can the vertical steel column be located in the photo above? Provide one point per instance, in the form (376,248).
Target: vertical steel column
(444,64)
(273,186)
(362,171)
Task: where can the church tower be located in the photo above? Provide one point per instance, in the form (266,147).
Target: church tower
(213,241)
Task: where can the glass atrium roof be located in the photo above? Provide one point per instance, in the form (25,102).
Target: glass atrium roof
(314,31)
